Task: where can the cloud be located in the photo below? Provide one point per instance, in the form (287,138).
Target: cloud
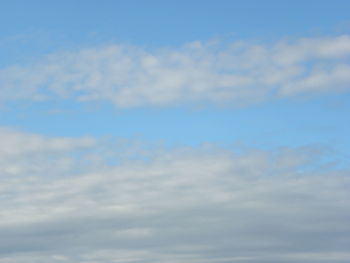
(22,153)
(320,80)
(238,73)
(203,204)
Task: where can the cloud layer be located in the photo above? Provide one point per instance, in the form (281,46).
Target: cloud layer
(237,73)
(202,204)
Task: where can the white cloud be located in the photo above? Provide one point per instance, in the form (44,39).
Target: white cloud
(22,153)
(336,79)
(234,74)
(201,204)
(14,142)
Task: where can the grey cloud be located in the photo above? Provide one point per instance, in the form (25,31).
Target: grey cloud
(22,153)
(182,205)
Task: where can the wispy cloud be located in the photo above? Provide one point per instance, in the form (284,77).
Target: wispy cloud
(238,73)
(201,204)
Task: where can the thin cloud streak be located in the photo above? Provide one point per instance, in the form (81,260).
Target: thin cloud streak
(236,74)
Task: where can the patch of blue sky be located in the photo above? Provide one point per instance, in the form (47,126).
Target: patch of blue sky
(321,120)
(31,28)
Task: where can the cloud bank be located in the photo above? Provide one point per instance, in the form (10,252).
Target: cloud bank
(203,204)
(237,73)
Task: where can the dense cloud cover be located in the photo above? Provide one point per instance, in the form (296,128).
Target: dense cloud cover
(62,201)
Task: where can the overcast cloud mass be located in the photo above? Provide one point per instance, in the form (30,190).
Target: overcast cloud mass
(217,149)
(184,205)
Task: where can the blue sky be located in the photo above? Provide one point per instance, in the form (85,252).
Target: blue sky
(34,29)
(208,95)
(38,27)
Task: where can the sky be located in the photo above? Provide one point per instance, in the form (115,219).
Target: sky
(174,131)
